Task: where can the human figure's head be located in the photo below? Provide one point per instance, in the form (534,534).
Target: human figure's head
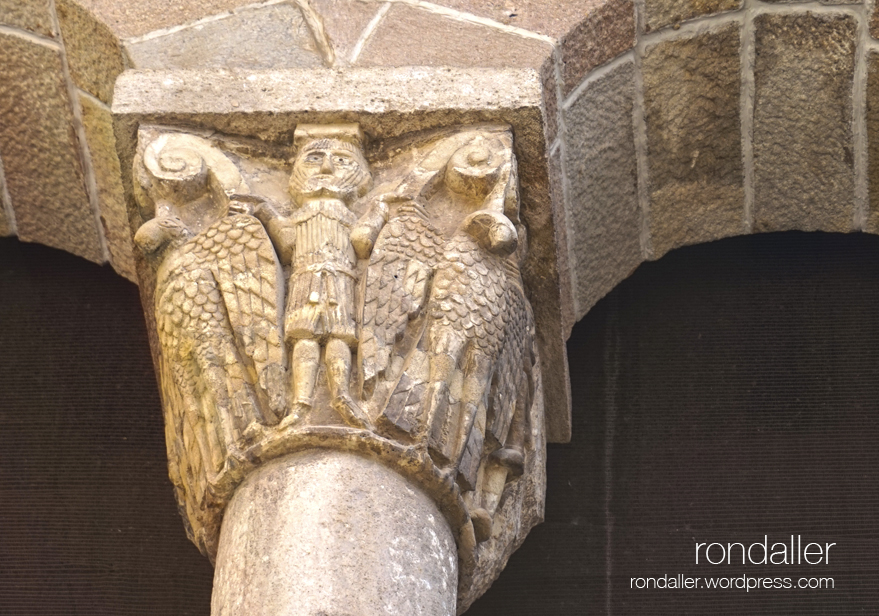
(329,164)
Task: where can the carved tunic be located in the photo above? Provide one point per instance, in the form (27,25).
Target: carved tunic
(320,302)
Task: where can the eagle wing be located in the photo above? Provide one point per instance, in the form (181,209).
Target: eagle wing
(395,288)
(512,390)
(250,281)
(222,358)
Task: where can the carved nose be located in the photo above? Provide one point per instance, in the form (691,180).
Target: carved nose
(326,166)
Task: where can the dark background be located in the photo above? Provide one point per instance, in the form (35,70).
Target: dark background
(725,392)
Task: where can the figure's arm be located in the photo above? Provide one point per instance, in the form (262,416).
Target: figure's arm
(279,228)
(365,232)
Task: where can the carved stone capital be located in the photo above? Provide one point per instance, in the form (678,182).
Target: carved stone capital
(346,296)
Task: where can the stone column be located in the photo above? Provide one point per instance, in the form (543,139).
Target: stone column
(330,532)
(348,362)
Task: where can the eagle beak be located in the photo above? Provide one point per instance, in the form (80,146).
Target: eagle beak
(151,237)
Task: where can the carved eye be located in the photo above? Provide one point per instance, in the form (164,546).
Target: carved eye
(343,160)
(314,159)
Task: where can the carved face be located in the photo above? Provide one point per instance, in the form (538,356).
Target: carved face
(329,168)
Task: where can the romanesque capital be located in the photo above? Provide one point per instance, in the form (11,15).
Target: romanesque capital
(347,296)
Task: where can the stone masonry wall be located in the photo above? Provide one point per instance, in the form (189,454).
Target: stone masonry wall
(667,122)
(725,118)
(59,60)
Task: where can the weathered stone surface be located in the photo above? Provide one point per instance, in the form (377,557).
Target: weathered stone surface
(548,18)
(691,100)
(327,532)
(873,139)
(412,36)
(662,13)
(94,54)
(243,95)
(98,122)
(387,102)
(41,155)
(130,19)
(274,36)
(260,263)
(604,216)
(566,273)
(6,216)
(550,99)
(32,15)
(874,22)
(828,2)
(344,21)
(803,150)
(607,29)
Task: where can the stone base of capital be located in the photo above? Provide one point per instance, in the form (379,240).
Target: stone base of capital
(332,533)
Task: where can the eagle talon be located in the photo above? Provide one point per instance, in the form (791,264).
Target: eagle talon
(351,412)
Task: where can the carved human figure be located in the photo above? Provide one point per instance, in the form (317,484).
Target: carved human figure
(329,174)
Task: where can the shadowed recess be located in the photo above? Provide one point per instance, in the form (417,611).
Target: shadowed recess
(722,393)
(725,392)
(88,522)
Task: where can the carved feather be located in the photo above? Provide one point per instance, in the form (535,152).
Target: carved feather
(513,387)
(217,299)
(396,286)
(249,279)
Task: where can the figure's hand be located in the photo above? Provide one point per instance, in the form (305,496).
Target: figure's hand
(264,211)
(365,232)
(237,206)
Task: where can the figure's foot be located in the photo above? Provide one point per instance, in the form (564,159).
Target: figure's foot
(351,412)
(296,414)
(481,524)
(512,459)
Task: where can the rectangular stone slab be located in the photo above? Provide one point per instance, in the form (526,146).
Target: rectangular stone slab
(387,103)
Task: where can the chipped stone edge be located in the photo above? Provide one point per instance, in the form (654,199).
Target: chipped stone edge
(356,90)
(6,203)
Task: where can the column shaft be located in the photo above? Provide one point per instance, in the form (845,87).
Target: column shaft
(331,533)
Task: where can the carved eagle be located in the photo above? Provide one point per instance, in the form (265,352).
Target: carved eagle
(396,286)
(216,305)
(476,323)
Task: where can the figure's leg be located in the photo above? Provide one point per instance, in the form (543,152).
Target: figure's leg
(338,362)
(305,362)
